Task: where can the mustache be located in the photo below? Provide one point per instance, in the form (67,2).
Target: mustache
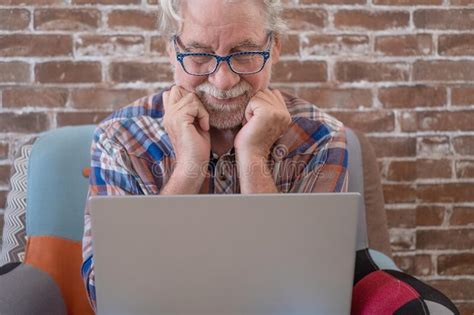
(240,89)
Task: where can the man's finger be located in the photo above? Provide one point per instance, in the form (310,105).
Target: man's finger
(166,96)
(177,93)
(203,117)
(279,96)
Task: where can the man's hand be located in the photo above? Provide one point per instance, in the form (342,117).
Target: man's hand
(267,119)
(187,123)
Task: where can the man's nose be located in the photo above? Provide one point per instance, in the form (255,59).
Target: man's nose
(224,78)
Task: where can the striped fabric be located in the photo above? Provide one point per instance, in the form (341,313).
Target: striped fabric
(14,230)
(132,154)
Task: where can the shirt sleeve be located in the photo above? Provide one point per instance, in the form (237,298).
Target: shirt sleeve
(111,174)
(326,170)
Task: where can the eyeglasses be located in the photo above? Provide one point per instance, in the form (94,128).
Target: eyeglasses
(243,62)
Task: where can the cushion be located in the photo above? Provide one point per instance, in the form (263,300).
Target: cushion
(14,230)
(57,192)
(51,169)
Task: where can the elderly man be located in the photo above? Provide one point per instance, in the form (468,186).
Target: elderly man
(220,128)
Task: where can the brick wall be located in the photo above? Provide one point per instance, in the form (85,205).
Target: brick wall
(400,70)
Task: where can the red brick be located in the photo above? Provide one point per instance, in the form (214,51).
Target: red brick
(462,96)
(105,99)
(446,120)
(413,96)
(325,45)
(158,46)
(462,289)
(14,19)
(416,265)
(462,216)
(68,72)
(464,145)
(456,45)
(406,45)
(3,202)
(445,239)
(31,2)
(465,307)
(371,20)
(433,168)
(429,215)
(80,118)
(433,146)
(448,192)
(307,19)
(337,98)
(14,72)
(402,240)
(408,2)
(4,175)
(20,45)
(465,3)
(371,71)
(4,150)
(373,121)
(453,19)
(132,19)
(300,71)
(394,146)
(111,2)
(401,171)
(443,70)
(332,1)
(140,72)
(399,193)
(465,169)
(407,121)
(401,218)
(121,45)
(67,19)
(34,97)
(24,123)
(456,264)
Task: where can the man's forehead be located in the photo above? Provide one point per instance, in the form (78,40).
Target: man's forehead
(192,43)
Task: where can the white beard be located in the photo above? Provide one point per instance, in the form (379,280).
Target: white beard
(226,116)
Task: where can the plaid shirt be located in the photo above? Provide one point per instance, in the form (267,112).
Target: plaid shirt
(132,154)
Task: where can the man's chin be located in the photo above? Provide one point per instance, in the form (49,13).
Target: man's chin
(225,121)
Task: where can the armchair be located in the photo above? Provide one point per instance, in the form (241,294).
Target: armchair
(44,276)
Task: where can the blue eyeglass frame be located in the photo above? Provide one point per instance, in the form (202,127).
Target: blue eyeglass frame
(265,53)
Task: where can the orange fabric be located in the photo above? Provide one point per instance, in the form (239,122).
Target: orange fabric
(61,259)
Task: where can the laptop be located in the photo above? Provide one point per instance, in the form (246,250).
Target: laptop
(262,254)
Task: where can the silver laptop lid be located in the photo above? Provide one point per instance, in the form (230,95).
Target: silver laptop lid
(224,254)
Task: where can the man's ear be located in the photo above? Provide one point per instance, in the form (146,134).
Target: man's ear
(276,48)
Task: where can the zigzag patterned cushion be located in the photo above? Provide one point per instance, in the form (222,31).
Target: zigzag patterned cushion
(14,231)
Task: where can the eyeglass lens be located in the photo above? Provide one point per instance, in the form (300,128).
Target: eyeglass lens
(240,63)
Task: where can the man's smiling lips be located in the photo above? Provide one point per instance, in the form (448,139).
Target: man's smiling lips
(225,101)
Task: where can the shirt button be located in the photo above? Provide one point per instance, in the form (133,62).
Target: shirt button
(222,176)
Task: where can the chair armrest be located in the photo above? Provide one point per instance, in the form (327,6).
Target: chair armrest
(25,290)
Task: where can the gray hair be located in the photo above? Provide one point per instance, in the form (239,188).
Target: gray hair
(170,23)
